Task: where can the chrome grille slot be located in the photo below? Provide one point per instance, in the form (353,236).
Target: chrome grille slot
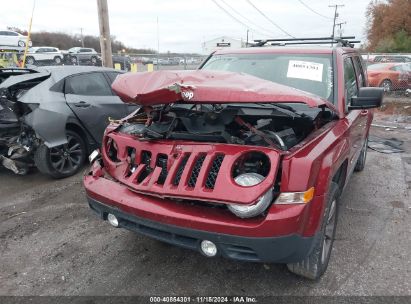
(196,170)
(162,163)
(213,173)
(145,160)
(180,170)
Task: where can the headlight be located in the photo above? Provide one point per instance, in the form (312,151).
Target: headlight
(93,156)
(246,211)
(295,197)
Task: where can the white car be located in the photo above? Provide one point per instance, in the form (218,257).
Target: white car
(11,38)
(44,53)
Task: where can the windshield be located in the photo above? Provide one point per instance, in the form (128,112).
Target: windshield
(310,73)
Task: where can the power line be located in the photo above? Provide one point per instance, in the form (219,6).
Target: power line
(315,12)
(272,22)
(236,19)
(245,18)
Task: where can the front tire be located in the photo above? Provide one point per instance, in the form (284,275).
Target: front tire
(316,263)
(21,43)
(62,161)
(30,60)
(386,85)
(57,60)
(359,166)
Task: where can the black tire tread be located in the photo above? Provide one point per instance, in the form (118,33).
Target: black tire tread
(309,267)
(360,164)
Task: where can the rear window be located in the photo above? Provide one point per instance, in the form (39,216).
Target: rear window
(310,73)
(90,84)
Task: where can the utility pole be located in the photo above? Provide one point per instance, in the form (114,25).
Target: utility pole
(340,27)
(81,35)
(246,44)
(336,6)
(158,45)
(105,39)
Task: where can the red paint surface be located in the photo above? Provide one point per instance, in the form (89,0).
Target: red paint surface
(311,163)
(281,219)
(162,87)
(225,190)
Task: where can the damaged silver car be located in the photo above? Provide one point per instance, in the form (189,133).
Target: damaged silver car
(52,117)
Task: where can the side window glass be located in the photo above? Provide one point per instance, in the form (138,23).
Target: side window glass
(112,76)
(359,71)
(91,84)
(350,82)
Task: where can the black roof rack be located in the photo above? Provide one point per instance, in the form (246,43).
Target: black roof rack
(340,41)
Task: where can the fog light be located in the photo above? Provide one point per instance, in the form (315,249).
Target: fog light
(208,248)
(112,220)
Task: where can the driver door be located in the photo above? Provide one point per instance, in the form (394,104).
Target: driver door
(90,97)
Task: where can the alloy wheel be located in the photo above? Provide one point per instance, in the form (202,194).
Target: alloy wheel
(67,158)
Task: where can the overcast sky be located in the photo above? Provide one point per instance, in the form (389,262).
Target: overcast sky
(185,24)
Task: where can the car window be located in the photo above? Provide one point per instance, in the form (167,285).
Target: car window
(311,73)
(3,33)
(397,68)
(378,66)
(13,34)
(350,81)
(112,76)
(90,84)
(359,71)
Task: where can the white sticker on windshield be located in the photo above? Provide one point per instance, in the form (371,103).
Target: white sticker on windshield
(305,70)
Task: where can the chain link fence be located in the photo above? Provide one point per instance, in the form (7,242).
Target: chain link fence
(124,61)
(389,71)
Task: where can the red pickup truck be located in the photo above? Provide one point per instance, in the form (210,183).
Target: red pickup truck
(245,157)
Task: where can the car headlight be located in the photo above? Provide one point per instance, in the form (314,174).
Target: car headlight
(247,211)
(295,197)
(94,155)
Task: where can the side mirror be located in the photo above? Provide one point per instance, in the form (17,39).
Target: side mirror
(368,97)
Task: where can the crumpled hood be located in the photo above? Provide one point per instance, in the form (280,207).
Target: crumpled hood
(199,86)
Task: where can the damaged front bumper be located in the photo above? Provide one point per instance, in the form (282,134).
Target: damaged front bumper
(17,144)
(280,236)
(281,249)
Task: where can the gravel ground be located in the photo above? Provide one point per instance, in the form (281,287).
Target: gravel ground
(52,244)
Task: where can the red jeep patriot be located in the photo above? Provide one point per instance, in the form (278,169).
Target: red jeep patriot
(244,158)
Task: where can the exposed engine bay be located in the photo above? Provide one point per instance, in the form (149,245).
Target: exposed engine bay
(256,124)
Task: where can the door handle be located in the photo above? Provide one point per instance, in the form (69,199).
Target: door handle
(81,104)
(364,113)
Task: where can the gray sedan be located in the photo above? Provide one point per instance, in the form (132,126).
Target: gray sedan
(53,117)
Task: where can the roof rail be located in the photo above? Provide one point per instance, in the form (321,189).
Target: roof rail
(340,41)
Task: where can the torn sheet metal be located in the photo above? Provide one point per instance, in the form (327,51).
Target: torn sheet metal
(383,145)
(163,87)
